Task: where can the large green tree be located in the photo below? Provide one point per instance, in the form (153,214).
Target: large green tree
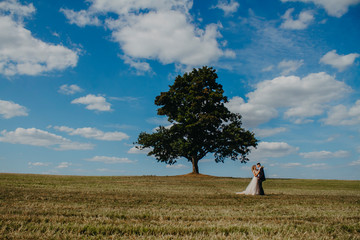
(201,123)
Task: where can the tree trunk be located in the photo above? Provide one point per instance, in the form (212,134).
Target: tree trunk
(195,166)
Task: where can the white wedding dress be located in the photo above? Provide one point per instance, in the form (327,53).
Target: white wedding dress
(252,188)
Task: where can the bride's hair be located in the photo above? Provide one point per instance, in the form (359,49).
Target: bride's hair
(253,167)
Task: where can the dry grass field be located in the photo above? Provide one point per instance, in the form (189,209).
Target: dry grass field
(180,207)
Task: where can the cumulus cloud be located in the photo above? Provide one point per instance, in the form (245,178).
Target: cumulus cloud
(109,160)
(125,99)
(342,115)
(340,62)
(69,89)
(253,114)
(325,154)
(177,166)
(93,102)
(160,30)
(106,170)
(229,7)
(169,38)
(267,69)
(10,109)
(267,132)
(13,8)
(37,137)
(64,165)
(300,98)
(135,150)
(20,52)
(273,149)
(81,18)
(335,8)
(158,120)
(140,66)
(317,165)
(355,163)
(305,18)
(38,164)
(93,133)
(289,66)
(290,165)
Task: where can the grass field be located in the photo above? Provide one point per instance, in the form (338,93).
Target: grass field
(148,207)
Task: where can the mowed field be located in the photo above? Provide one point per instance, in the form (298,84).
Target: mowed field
(179,207)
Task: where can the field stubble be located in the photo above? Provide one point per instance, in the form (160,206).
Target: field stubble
(180,207)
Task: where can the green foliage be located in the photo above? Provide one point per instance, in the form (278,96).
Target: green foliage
(201,123)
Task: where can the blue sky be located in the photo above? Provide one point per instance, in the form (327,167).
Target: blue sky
(78,81)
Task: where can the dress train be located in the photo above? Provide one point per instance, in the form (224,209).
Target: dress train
(253,187)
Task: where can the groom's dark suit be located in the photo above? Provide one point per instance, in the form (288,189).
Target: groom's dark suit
(261,177)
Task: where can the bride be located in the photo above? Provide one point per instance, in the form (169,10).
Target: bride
(253,187)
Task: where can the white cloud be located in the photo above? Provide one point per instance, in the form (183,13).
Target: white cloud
(20,52)
(31,136)
(10,109)
(325,154)
(269,131)
(317,165)
(169,38)
(335,8)
(99,7)
(272,149)
(37,137)
(38,164)
(355,163)
(93,133)
(253,114)
(229,7)
(268,69)
(305,18)
(69,89)
(106,170)
(289,66)
(135,150)
(290,165)
(125,99)
(74,146)
(177,166)
(160,30)
(206,160)
(14,8)
(64,165)
(341,115)
(140,66)
(93,102)
(167,127)
(158,121)
(109,160)
(81,18)
(299,97)
(340,62)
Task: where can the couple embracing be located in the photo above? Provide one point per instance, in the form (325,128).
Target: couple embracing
(255,186)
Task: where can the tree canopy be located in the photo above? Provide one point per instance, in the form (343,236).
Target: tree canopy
(201,123)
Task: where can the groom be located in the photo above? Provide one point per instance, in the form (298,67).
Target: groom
(261,177)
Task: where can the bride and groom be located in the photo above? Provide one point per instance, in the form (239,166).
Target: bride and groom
(255,186)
